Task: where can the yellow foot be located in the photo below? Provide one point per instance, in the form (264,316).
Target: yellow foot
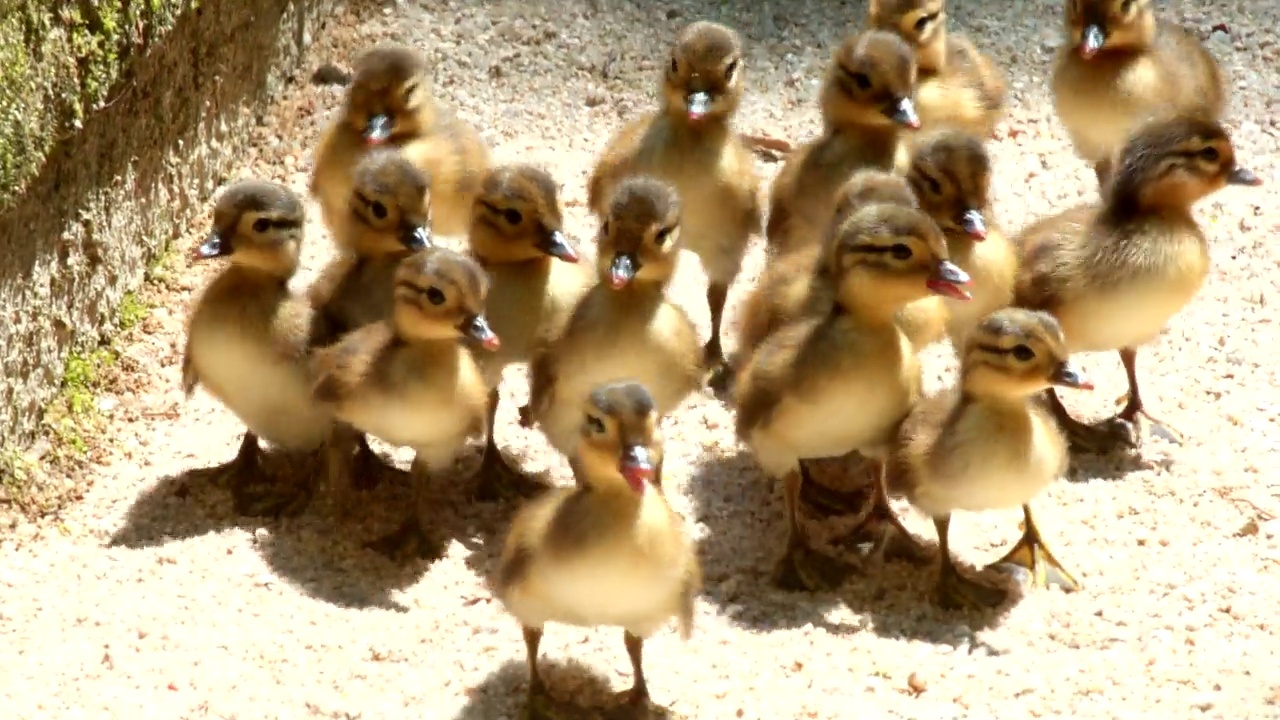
(496,480)
(1031,555)
(409,542)
(803,569)
(957,592)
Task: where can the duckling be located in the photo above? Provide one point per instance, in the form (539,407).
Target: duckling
(951,174)
(989,443)
(248,335)
(959,86)
(843,380)
(387,219)
(689,143)
(1115,274)
(624,326)
(389,102)
(1122,65)
(410,381)
(867,98)
(609,551)
(517,235)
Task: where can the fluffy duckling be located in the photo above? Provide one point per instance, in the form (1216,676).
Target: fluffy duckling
(609,551)
(866,100)
(689,143)
(959,86)
(951,174)
(1114,275)
(248,335)
(410,381)
(843,380)
(389,102)
(517,235)
(989,444)
(1122,65)
(624,326)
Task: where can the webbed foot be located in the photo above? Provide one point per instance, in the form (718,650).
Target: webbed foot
(496,480)
(254,492)
(1030,554)
(409,542)
(1159,428)
(826,501)
(803,569)
(957,592)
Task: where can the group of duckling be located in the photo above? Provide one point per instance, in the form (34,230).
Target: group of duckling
(880,242)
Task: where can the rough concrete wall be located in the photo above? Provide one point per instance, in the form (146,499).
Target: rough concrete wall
(147,104)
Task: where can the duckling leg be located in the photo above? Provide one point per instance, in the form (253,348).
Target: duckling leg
(369,467)
(253,493)
(496,479)
(801,567)
(411,540)
(880,528)
(638,695)
(712,353)
(1084,438)
(1032,554)
(1133,406)
(537,694)
(830,502)
(955,591)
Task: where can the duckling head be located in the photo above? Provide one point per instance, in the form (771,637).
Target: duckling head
(517,217)
(884,256)
(871,82)
(1015,353)
(639,236)
(389,99)
(1174,162)
(922,23)
(620,436)
(390,204)
(951,173)
(258,225)
(1117,25)
(870,186)
(440,295)
(703,81)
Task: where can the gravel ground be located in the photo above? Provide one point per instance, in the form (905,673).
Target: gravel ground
(150,598)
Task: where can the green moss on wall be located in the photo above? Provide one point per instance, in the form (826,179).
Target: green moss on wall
(59,61)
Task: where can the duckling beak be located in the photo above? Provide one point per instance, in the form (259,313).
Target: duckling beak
(1243,176)
(636,467)
(477,327)
(623,270)
(212,247)
(378,129)
(416,238)
(903,112)
(699,104)
(1092,41)
(1068,375)
(947,280)
(557,245)
(974,224)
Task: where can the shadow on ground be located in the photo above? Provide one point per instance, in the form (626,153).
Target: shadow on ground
(577,691)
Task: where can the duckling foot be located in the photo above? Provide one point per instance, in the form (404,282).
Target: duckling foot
(539,705)
(1031,555)
(957,592)
(254,493)
(496,480)
(1160,429)
(803,569)
(368,468)
(409,542)
(829,502)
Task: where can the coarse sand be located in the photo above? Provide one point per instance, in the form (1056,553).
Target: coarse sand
(150,598)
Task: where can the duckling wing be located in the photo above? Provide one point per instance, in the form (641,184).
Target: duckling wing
(917,440)
(1054,251)
(189,376)
(983,75)
(768,373)
(617,161)
(339,370)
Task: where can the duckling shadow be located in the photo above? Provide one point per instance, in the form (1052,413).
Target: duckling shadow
(185,505)
(743,515)
(577,693)
(1117,465)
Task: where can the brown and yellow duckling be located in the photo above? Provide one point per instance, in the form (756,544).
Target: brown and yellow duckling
(517,235)
(411,380)
(951,174)
(248,335)
(690,144)
(989,443)
(866,101)
(1115,274)
(609,551)
(624,326)
(959,85)
(1122,65)
(389,102)
(843,380)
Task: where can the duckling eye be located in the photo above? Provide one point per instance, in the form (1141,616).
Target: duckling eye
(595,424)
(261,224)
(379,210)
(1023,353)
(1209,154)
(661,238)
(861,80)
(675,66)
(1126,6)
(730,69)
(512,216)
(900,252)
(409,91)
(924,21)
(435,296)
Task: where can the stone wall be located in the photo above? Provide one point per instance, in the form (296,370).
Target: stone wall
(117,120)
